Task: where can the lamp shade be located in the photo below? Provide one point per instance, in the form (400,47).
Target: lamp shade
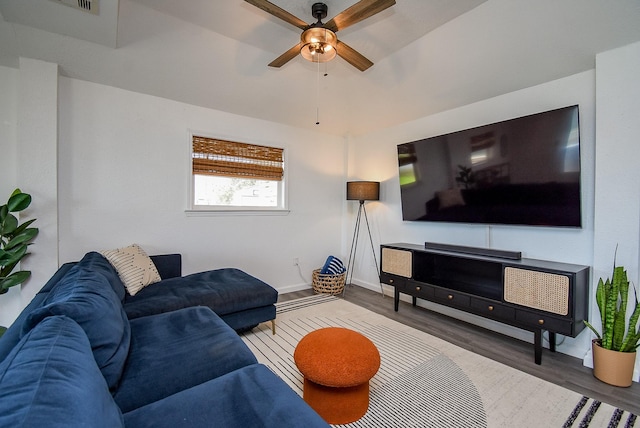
(363,190)
(318,44)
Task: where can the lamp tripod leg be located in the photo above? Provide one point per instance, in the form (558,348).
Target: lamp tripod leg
(373,250)
(354,248)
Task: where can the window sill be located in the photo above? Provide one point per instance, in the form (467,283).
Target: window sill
(235,212)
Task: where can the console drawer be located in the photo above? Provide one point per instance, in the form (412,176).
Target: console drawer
(396,281)
(452,298)
(492,309)
(544,322)
(418,290)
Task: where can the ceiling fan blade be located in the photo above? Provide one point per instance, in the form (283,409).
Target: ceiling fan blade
(278,12)
(285,57)
(356,13)
(353,57)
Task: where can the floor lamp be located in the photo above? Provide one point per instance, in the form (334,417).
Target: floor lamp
(362,191)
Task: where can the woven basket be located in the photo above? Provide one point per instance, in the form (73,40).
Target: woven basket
(327,283)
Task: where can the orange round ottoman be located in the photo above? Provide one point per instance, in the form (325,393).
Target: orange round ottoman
(337,364)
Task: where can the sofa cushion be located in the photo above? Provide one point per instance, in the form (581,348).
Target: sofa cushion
(97,263)
(246,320)
(176,350)
(13,334)
(168,265)
(135,267)
(53,281)
(249,397)
(92,261)
(50,379)
(88,299)
(223,290)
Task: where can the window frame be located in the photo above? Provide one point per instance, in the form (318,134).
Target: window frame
(193,209)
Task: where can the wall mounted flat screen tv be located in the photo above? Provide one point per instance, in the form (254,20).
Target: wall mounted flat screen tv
(523,171)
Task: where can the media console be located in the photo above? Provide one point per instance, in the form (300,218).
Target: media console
(534,295)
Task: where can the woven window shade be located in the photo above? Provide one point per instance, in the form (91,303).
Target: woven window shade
(231,159)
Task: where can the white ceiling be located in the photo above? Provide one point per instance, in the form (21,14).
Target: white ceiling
(376,37)
(429,55)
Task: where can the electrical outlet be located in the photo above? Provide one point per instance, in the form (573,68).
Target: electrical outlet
(296,261)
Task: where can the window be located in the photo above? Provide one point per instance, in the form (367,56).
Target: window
(407,164)
(227,175)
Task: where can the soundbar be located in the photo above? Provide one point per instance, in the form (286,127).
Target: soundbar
(489,252)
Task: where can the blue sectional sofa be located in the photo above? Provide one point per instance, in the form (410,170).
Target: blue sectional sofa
(74,358)
(240,299)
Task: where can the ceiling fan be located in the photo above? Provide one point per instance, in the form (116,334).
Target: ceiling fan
(318,41)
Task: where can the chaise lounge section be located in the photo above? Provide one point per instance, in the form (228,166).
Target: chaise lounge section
(240,299)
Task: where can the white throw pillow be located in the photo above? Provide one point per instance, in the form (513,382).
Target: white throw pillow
(135,268)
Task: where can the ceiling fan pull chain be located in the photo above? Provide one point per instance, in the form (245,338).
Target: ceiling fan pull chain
(318,97)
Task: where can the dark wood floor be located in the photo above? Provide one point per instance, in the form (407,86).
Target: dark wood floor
(557,368)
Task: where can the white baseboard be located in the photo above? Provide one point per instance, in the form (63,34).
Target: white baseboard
(292,288)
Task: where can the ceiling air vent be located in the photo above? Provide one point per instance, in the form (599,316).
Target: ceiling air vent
(90,6)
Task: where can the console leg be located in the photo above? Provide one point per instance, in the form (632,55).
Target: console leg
(414,300)
(552,342)
(396,298)
(537,343)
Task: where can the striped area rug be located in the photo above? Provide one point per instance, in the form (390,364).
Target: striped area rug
(424,381)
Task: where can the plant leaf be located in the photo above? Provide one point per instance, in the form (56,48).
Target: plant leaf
(633,333)
(619,322)
(14,240)
(601,299)
(21,238)
(8,225)
(24,225)
(11,258)
(14,279)
(593,329)
(18,201)
(610,313)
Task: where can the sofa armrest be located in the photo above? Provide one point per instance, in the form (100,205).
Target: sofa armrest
(168,265)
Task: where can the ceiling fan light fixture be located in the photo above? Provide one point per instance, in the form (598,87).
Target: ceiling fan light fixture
(318,44)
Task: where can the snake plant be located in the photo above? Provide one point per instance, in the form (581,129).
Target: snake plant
(14,240)
(612,297)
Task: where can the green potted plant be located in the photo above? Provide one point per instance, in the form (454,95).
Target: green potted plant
(466,176)
(14,240)
(614,351)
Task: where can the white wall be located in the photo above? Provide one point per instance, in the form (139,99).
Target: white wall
(37,140)
(121,176)
(28,111)
(617,203)
(8,124)
(10,303)
(124,171)
(376,160)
